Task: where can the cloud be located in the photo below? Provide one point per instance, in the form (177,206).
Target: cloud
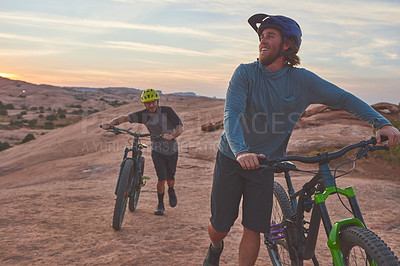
(27,52)
(25,38)
(49,20)
(154,48)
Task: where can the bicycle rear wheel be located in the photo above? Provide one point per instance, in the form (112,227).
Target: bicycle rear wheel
(360,246)
(122,194)
(278,243)
(137,185)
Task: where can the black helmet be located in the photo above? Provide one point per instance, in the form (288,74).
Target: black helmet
(288,26)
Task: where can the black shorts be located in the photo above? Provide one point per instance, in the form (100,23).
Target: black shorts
(165,165)
(230,183)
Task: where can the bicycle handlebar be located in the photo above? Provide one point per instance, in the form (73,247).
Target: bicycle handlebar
(117,130)
(327,156)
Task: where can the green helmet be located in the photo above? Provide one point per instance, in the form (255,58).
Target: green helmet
(149,95)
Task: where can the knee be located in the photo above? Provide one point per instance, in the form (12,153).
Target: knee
(250,233)
(214,234)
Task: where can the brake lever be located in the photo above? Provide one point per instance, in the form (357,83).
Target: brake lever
(363,152)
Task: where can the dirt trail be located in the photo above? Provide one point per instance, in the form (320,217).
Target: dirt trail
(56,196)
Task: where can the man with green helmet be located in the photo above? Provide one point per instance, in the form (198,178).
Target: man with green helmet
(159,120)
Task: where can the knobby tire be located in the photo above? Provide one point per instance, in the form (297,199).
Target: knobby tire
(137,185)
(358,243)
(122,194)
(281,251)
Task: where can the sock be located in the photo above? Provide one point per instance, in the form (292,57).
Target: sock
(160,199)
(217,246)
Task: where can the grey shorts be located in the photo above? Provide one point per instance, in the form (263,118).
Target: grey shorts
(165,165)
(230,183)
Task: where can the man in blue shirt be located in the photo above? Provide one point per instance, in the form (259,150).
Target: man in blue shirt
(264,101)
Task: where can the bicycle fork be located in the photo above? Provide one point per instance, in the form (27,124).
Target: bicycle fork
(332,231)
(126,151)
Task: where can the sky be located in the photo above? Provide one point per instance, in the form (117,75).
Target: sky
(195,45)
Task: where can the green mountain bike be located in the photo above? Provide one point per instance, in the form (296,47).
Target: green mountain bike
(292,239)
(130,179)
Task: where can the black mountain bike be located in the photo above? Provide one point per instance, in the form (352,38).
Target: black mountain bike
(292,239)
(130,179)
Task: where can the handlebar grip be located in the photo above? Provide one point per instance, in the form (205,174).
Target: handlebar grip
(381,148)
(384,138)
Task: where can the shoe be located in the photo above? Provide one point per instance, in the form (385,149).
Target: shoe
(160,210)
(212,257)
(172,197)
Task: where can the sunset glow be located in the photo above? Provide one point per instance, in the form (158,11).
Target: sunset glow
(6,75)
(195,46)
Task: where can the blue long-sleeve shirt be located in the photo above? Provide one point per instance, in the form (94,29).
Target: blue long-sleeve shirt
(262,107)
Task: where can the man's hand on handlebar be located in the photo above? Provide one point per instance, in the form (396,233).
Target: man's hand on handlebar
(249,161)
(167,137)
(392,134)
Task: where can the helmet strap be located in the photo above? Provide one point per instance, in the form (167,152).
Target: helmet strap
(158,105)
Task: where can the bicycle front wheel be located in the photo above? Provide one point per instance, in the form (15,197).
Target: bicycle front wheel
(122,194)
(360,246)
(137,185)
(279,241)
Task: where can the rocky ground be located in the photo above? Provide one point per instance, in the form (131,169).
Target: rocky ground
(57,193)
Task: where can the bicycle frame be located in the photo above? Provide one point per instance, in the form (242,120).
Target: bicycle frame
(326,187)
(136,150)
(312,197)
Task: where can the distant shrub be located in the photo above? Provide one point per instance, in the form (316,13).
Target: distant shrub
(4,146)
(33,108)
(16,123)
(51,117)
(5,127)
(61,125)
(32,123)
(48,125)
(9,106)
(62,116)
(74,106)
(27,138)
(61,111)
(77,112)
(92,111)
(3,112)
